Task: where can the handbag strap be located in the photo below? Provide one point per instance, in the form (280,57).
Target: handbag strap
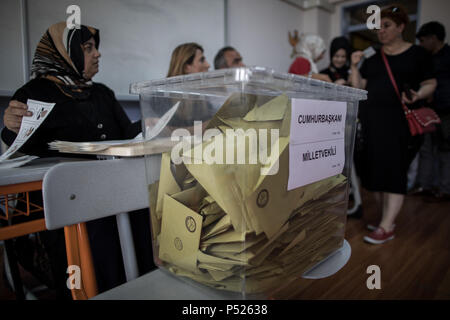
(391,76)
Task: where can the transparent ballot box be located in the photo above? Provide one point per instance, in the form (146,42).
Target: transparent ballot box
(253,191)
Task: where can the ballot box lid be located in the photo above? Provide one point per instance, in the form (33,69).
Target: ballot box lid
(249,79)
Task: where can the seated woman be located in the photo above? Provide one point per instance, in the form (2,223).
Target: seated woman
(187,58)
(340,51)
(63,66)
(312,49)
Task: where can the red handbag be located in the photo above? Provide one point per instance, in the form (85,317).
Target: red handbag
(421,120)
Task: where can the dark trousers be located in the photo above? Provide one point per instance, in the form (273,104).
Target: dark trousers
(434,164)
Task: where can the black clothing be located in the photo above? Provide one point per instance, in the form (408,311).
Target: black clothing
(388,145)
(335,73)
(441,61)
(100,117)
(95,118)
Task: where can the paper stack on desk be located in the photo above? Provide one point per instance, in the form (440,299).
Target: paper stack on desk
(231,227)
(119,148)
(137,146)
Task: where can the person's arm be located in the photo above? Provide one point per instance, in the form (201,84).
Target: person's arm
(341,82)
(17,109)
(355,78)
(425,91)
(12,118)
(129,129)
(426,72)
(321,76)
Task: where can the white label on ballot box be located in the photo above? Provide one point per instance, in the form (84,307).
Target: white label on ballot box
(317,145)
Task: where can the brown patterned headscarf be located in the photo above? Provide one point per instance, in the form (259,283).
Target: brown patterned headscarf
(60,58)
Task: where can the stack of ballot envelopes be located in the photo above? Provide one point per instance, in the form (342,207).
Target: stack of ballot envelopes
(229,226)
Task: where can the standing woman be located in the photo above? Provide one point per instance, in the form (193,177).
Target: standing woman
(63,67)
(312,50)
(340,51)
(389,147)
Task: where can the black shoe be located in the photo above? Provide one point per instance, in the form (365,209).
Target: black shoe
(357,214)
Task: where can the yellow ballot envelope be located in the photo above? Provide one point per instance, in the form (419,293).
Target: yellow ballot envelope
(180,234)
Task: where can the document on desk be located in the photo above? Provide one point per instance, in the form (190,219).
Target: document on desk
(29,125)
(135,146)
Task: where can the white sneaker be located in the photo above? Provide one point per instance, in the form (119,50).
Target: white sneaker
(372,227)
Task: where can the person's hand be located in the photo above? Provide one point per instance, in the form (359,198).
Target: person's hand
(321,76)
(14,114)
(342,82)
(414,97)
(356,58)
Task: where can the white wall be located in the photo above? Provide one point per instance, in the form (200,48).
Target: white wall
(258,29)
(136,36)
(11,64)
(436,10)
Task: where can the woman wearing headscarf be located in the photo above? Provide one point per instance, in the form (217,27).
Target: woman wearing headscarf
(340,51)
(63,66)
(311,50)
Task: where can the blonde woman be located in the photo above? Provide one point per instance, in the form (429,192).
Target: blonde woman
(187,58)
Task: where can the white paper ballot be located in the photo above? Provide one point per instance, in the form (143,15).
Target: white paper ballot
(311,162)
(317,120)
(16,162)
(29,125)
(162,123)
(317,141)
(370,51)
